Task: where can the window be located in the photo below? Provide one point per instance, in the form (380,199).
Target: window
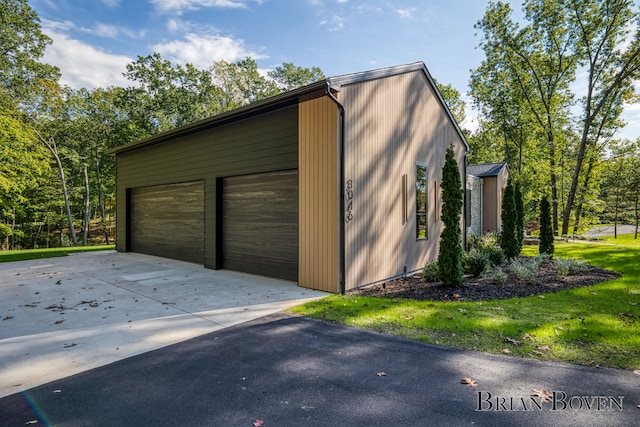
(421,201)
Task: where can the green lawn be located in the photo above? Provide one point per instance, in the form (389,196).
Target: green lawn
(21,255)
(598,325)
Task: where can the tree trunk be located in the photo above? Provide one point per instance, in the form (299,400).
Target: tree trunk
(54,151)
(103,222)
(585,186)
(85,232)
(554,184)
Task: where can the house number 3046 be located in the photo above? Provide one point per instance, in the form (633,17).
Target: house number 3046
(348,198)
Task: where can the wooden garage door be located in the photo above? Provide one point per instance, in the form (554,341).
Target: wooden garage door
(260,224)
(168,221)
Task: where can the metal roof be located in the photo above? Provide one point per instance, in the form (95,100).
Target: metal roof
(486,169)
(293,97)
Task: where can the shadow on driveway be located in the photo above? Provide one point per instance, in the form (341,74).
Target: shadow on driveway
(289,371)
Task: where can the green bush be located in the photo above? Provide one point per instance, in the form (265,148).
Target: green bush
(450,270)
(430,272)
(524,269)
(566,266)
(546,229)
(475,261)
(509,240)
(495,274)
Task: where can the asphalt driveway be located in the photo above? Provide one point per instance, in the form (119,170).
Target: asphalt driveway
(62,316)
(288,371)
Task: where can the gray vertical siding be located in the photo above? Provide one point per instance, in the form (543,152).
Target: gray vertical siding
(268,142)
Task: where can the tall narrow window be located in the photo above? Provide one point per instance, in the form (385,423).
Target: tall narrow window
(421,201)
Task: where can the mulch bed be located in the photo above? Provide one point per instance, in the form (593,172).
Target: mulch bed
(476,288)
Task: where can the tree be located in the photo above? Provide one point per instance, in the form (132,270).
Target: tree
(22,44)
(608,46)
(453,99)
(288,76)
(509,216)
(525,79)
(519,202)
(450,269)
(240,83)
(617,189)
(546,232)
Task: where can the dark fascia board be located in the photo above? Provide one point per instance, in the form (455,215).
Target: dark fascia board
(282,100)
(338,81)
(291,98)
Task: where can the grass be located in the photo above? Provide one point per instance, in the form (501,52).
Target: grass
(597,325)
(26,254)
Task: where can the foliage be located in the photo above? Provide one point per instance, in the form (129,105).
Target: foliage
(450,270)
(495,274)
(430,272)
(566,266)
(508,238)
(475,261)
(453,99)
(519,202)
(489,245)
(524,269)
(546,232)
(289,76)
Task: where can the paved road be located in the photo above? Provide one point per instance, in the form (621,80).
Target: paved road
(608,230)
(289,371)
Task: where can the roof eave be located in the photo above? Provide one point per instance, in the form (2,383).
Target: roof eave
(278,101)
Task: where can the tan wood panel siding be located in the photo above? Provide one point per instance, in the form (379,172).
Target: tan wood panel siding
(168,220)
(260,224)
(319,195)
(491,205)
(391,124)
(260,144)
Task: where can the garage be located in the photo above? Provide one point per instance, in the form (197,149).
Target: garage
(260,224)
(168,221)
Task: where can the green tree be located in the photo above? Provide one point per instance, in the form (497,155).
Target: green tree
(546,231)
(608,47)
(289,76)
(525,79)
(519,203)
(509,216)
(453,99)
(450,268)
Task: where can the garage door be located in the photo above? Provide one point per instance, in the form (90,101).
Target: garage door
(168,221)
(260,224)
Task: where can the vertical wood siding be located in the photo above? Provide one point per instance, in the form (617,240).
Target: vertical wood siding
(319,195)
(392,123)
(261,144)
(491,205)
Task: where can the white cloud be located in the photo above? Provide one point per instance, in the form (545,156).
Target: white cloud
(179,6)
(406,13)
(84,66)
(335,23)
(203,50)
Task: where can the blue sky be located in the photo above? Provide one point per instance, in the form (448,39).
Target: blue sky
(93,40)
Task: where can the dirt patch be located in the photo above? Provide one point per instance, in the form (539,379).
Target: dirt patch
(546,280)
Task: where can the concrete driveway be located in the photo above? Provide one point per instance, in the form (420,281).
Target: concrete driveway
(62,316)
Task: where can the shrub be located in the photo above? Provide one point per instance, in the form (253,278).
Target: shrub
(475,261)
(546,230)
(430,272)
(524,269)
(509,216)
(495,254)
(495,274)
(450,269)
(566,266)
